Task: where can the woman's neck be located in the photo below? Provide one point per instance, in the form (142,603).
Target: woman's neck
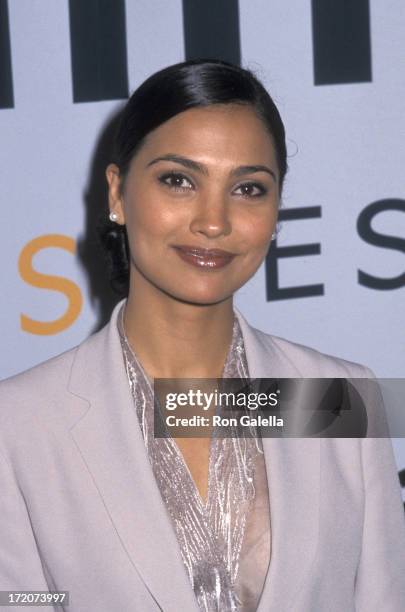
(174,339)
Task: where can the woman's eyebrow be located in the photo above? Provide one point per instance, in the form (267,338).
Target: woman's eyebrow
(194,165)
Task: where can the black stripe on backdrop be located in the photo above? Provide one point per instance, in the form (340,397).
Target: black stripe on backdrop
(98,50)
(6,79)
(401,475)
(211,30)
(341,41)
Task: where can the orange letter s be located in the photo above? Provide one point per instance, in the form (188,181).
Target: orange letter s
(46,281)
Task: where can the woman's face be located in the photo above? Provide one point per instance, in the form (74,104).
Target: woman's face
(203,183)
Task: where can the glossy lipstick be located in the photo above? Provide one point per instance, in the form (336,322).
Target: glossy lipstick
(204,258)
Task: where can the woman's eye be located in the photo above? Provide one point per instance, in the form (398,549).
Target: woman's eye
(176,181)
(251,190)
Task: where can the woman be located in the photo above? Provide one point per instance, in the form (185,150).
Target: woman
(91,502)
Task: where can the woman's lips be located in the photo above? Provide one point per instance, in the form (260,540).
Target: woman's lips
(204,258)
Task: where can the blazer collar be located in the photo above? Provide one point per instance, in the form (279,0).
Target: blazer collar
(108,436)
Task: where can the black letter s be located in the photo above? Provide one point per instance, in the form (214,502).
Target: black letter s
(381,240)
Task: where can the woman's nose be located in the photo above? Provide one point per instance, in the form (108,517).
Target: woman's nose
(211,219)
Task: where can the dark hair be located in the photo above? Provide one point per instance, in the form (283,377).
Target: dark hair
(173,90)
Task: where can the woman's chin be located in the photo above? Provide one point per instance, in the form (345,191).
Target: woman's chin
(204,301)
(201,298)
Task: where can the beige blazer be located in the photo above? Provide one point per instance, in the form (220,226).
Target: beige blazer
(80,510)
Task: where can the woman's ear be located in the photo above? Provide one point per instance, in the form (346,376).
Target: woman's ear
(115,200)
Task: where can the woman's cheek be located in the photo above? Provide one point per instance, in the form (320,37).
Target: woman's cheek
(260,235)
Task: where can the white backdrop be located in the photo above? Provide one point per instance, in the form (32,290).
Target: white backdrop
(346,151)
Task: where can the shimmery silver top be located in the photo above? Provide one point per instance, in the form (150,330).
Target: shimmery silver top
(225,541)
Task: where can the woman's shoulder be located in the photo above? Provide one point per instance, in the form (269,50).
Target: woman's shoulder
(286,359)
(53,395)
(38,380)
(30,401)
(54,373)
(307,356)
(298,359)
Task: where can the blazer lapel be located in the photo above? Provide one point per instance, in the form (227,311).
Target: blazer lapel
(293,474)
(110,441)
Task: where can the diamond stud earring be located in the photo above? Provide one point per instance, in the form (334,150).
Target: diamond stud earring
(113,217)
